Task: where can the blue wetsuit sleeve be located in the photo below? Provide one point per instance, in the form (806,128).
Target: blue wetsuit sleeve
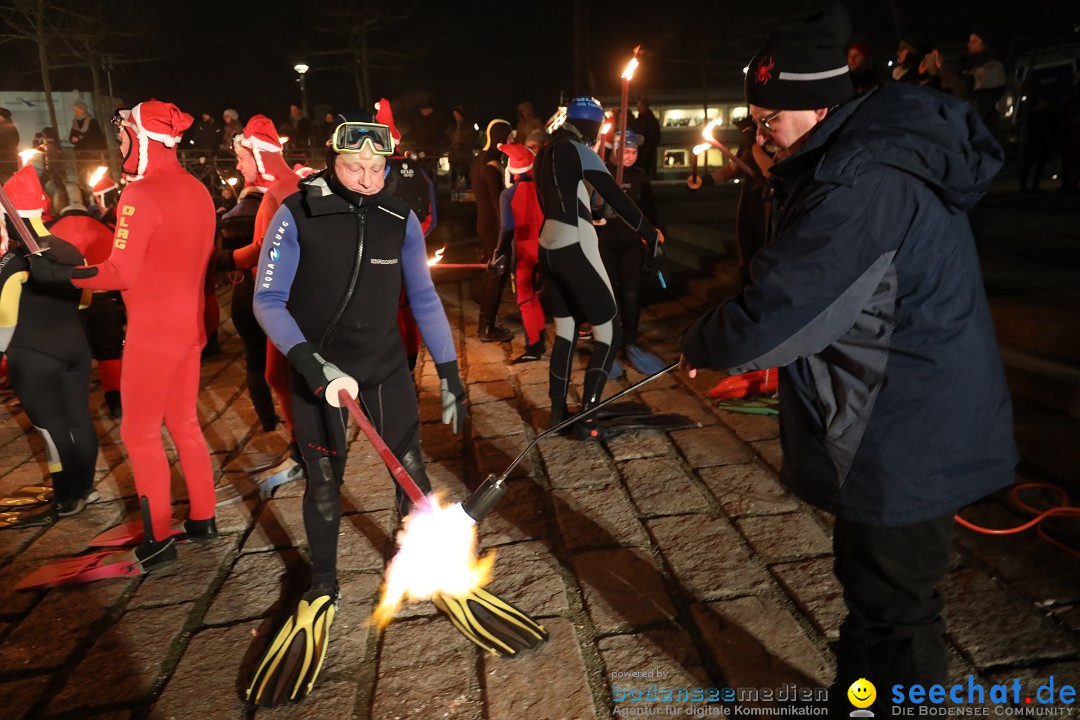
(506,211)
(426,306)
(278,261)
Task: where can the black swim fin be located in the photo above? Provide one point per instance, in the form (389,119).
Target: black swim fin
(491,622)
(664,422)
(289,667)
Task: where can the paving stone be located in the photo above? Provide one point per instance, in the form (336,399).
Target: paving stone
(234,518)
(677,400)
(426,670)
(68,536)
(365,539)
(518,516)
(751,428)
(280,524)
(117,484)
(534,374)
(439,442)
(813,587)
(254,582)
(218,664)
(751,489)
(575,464)
(534,396)
(15,540)
(487,356)
(513,688)
(976,609)
(496,420)
(663,657)
(488,371)
(709,446)
(228,431)
(352,626)
(23,474)
(771,453)
(638,444)
(792,536)
(494,455)
(757,643)
(661,486)
(1067,616)
(595,517)
(486,392)
(260,448)
(19,696)
(623,589)
(125,663)
(191,577)
(66,616)
(707,556)
(527,575)
(1030,565)
(16,603)
(430,405)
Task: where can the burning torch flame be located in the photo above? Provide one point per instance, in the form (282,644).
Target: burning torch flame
(437,554)
(26,156)
(628,73)
(97,175)
(698,149)
(708,130)
(438,257)
(605,128)
(231,181)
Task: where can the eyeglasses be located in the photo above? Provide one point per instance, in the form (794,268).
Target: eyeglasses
(764,122)
(120,116)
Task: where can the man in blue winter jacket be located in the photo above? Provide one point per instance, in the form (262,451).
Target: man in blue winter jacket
(894,409)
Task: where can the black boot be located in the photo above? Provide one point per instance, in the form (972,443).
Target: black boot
(490,332)
(112,402)
(532,353)
(201,531)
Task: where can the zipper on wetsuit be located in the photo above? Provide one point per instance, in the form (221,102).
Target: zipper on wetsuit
(328,336)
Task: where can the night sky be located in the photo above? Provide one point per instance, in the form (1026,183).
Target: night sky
(489,56)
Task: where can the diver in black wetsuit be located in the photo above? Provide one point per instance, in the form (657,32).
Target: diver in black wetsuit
(48,357)
(576,283)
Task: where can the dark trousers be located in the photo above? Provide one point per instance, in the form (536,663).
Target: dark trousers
(893,632)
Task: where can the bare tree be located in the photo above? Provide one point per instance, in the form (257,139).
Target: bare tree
(356,32)
(36,21)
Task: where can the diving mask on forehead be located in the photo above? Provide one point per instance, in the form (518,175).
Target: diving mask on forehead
(351,137)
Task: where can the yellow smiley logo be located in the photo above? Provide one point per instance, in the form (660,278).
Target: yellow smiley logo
(862,693)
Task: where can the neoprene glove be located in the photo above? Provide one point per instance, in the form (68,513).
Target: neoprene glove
(499,264)
(455,406)
(223,260)
(50,273)
(324,378)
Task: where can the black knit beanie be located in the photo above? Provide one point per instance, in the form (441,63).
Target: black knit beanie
(803,66)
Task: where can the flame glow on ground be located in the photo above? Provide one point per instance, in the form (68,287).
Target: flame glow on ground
(436,553)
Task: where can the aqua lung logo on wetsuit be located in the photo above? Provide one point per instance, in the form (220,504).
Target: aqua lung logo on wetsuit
(381,261)
(272,255)
(406,171)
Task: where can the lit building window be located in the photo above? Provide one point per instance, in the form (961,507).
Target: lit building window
(739,112)
(676,158)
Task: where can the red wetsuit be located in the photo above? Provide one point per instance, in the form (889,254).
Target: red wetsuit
(522,216)
(284,185)
(164,239)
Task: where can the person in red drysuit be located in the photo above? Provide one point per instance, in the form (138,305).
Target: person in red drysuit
(164,239)
(521,218)
(279,180)
(409,182)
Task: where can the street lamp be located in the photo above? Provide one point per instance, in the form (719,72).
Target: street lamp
(301,70)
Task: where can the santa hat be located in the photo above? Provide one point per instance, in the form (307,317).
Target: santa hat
(303,170)
(384,115)
(261,136)
(803,66)
(104,185)
(521,157)
(160,121)
(25,192)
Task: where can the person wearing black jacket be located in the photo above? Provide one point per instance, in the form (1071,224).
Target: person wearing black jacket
(869,299)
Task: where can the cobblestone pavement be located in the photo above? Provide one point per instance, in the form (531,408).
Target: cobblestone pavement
(675,555)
